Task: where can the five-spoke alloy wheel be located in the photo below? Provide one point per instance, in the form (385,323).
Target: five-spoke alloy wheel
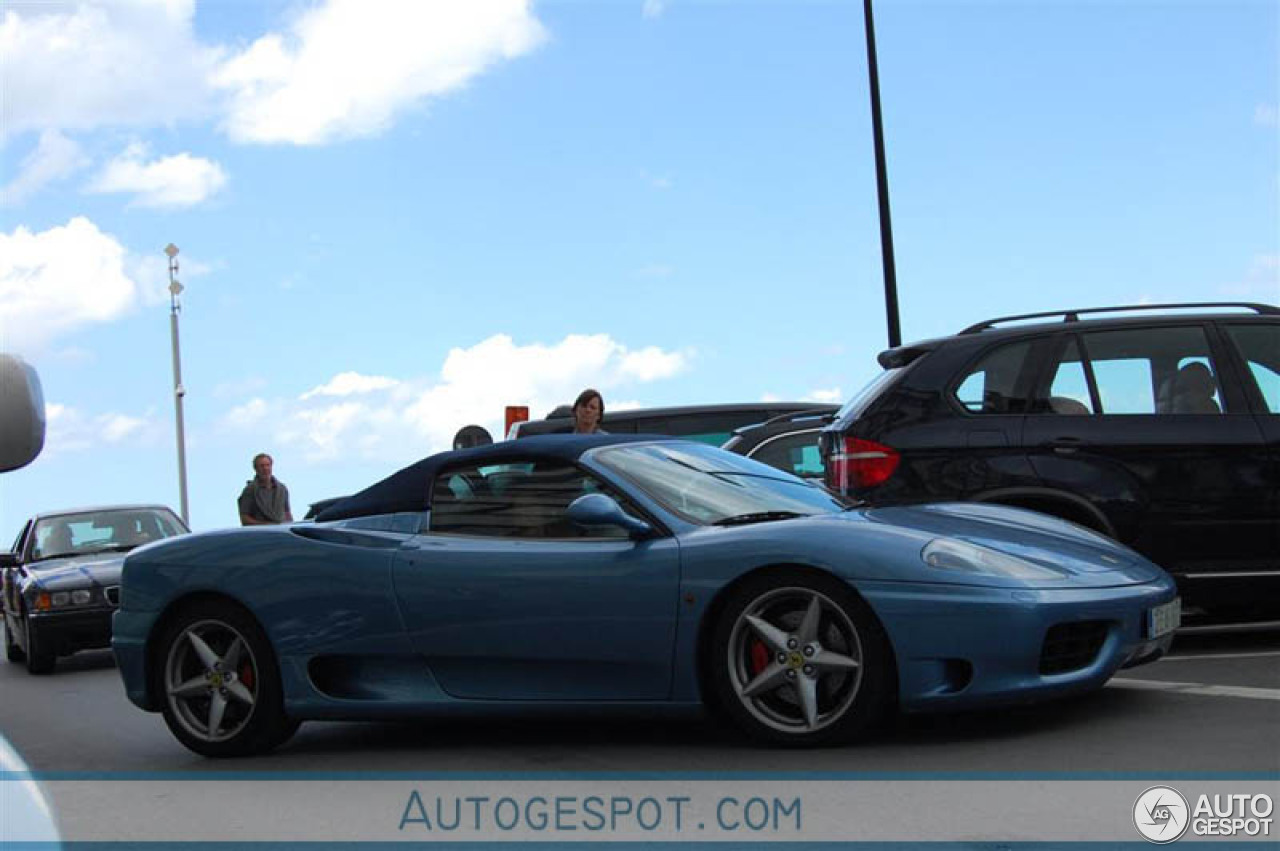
(218,683)
(798,659)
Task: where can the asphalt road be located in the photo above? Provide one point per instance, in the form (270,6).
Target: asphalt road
(1213,705)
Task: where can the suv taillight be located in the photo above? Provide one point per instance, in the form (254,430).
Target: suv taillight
(859,463)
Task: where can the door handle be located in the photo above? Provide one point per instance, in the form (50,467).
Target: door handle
(1064,445)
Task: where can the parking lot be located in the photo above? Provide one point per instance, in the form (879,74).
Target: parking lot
(1211,706)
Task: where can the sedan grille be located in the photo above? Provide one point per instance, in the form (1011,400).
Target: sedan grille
(1072,646)
(113,595)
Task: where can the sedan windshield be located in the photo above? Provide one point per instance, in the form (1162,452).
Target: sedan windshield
(709,486)
(112,530)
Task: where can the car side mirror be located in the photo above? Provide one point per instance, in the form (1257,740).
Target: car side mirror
(597,509)
(8,560)
(21,413)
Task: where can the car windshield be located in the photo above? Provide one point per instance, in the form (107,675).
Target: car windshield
(112,530)
(709,486)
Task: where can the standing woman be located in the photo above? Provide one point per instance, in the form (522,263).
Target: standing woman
(587,411)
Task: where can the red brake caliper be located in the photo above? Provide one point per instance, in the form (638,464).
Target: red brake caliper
(246,674)
(759,656)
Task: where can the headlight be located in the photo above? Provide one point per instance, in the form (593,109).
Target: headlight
(951,554)
(45,601)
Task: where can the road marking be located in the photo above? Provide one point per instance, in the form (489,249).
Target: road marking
(1214,629)
(1257,655)
(1202,689)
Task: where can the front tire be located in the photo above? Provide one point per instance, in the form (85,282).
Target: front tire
(12,651)
(798,660)
(40,659)
(219,684)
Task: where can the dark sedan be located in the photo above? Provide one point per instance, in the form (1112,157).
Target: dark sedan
(61,580)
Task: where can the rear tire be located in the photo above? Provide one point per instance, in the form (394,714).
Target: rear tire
(797,659)
(218,682)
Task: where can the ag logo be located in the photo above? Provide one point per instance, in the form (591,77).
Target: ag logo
(1161,814)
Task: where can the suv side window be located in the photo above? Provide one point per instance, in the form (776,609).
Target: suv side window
(517,500)
(1260,346)
(992,385)
(1069,390)
(1153,371)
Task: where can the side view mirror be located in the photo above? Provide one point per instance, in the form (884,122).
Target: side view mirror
(597,509)
(8,559)
(21,413)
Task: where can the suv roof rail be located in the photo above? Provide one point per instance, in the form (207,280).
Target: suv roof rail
(1074,315)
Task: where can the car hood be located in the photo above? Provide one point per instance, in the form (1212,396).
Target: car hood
(66,574)
(1082,557)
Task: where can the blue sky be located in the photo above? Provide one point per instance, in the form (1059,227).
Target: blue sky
(395,218)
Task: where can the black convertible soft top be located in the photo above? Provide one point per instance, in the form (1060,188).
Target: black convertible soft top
(408,489)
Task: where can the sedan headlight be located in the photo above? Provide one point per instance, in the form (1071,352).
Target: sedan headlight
(45,601)
(952,554)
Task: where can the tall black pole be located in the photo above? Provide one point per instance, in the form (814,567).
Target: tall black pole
(882,185)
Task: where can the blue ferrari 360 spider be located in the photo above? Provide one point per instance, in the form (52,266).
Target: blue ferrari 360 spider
(590,571)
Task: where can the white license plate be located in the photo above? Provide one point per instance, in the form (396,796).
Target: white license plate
(1164,619)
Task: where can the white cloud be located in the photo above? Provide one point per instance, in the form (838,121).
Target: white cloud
(824,397)
(177,181)
(247,415)
(57,280)
(653,8)
(342,69)
(351,383)
(54,157)
(349,67)
(96,64)
(652,363)
(397,420)
(1266,115)
(117,427)
(54,282)
(70,429)
(827,397)
(831,396)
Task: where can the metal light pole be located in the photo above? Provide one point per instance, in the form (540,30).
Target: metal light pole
(882,185)
(179,391)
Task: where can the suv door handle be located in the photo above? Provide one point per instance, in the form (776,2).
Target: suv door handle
(1064,445)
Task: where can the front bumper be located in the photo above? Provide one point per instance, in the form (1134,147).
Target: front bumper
(962,646)
(66,632)
(129,644)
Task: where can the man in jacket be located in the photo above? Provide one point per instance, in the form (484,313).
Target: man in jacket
(265,499)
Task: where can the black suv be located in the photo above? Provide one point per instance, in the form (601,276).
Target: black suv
(1157,425)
